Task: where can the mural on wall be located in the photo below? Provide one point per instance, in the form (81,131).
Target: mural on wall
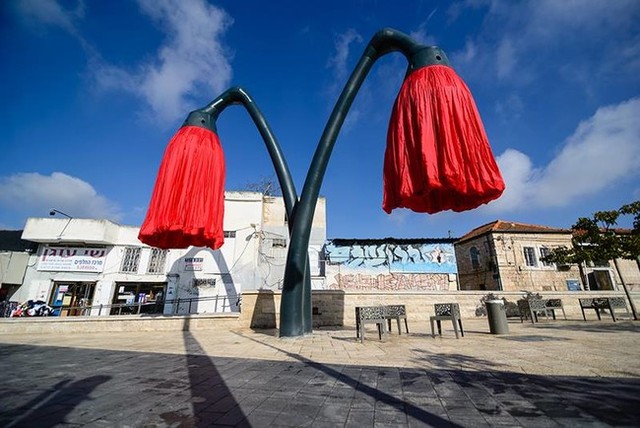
(390,265)
(394,257)
(390,282)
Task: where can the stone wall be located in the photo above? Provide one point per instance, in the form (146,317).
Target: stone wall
(261,310)
(337,308)
(93,324)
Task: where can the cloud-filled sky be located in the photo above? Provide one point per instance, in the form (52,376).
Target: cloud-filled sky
(93,91)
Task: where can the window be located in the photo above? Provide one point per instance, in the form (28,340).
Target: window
(157,260)
(279,243)
(474,254)
(544,252)
(229,233)
(530,256)
(207,282)
(130,260)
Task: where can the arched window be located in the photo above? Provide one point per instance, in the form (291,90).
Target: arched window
(474,254)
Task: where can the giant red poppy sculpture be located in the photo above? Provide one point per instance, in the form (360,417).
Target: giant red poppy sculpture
(437,158)
(187,204)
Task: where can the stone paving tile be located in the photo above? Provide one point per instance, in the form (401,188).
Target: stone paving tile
(575,375)
(359,418)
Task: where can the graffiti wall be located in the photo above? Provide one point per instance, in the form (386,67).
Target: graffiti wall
(388,265)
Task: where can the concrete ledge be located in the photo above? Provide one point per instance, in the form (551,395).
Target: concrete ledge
(47,325)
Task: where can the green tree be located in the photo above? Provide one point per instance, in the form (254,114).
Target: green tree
(597,239)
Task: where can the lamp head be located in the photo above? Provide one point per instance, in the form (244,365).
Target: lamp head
(428,55)
(52,212)
(202,119)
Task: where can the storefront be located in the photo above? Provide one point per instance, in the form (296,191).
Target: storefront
(71,298)
(138,297)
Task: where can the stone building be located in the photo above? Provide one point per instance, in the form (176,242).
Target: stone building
(504,255)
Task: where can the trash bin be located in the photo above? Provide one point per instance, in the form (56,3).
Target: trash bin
(497,316)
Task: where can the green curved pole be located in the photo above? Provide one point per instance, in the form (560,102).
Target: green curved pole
(207,117)
(294,295)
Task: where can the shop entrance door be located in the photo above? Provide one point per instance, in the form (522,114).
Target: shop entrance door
(71,298)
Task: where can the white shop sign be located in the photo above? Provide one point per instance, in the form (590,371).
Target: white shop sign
(72,259)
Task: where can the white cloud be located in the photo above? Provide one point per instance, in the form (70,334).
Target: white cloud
(602,152)
(528,36)
(338,62)
(421,35)
(340,72)
(506,58)
(50,12)
(511,107)
(192,60)
(35,194)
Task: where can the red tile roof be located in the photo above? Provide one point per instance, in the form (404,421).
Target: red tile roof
(510,227)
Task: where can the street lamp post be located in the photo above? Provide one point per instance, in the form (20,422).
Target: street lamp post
(205,119)
(437,158)
(54,211)
(294,295)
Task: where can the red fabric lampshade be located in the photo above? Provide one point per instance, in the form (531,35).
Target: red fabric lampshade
(438,156)
(187,205)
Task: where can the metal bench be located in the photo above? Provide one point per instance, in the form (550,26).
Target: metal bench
(604,303)
(370,315)
(533,307)
(396,312)
(447,311)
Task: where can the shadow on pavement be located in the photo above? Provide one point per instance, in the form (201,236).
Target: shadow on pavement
(592,326)
(51,407)
(574,400)
(60,386)
(392,401)
(456,361)
(211,398)
(533,338)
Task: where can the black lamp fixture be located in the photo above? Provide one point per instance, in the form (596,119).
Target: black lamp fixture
(53,212)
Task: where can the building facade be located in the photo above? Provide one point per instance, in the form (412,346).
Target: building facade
(14,259)
(97,267)
(507,256)
(504,255)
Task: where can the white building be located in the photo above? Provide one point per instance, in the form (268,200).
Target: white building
(102,265)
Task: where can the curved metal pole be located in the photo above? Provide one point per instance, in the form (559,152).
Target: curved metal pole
(293,294)
(208,116)
(237,95)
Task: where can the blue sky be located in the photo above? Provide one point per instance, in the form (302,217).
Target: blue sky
(93,90)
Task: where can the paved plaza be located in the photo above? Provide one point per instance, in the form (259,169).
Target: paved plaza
(556,373)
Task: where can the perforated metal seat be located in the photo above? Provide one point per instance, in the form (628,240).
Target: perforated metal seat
(369,315)
(396,312)
(447,311)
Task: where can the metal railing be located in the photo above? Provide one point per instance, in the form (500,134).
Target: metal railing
(228,302)
(178,306)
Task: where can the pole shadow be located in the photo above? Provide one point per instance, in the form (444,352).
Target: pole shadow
(411,409)
(212,401)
